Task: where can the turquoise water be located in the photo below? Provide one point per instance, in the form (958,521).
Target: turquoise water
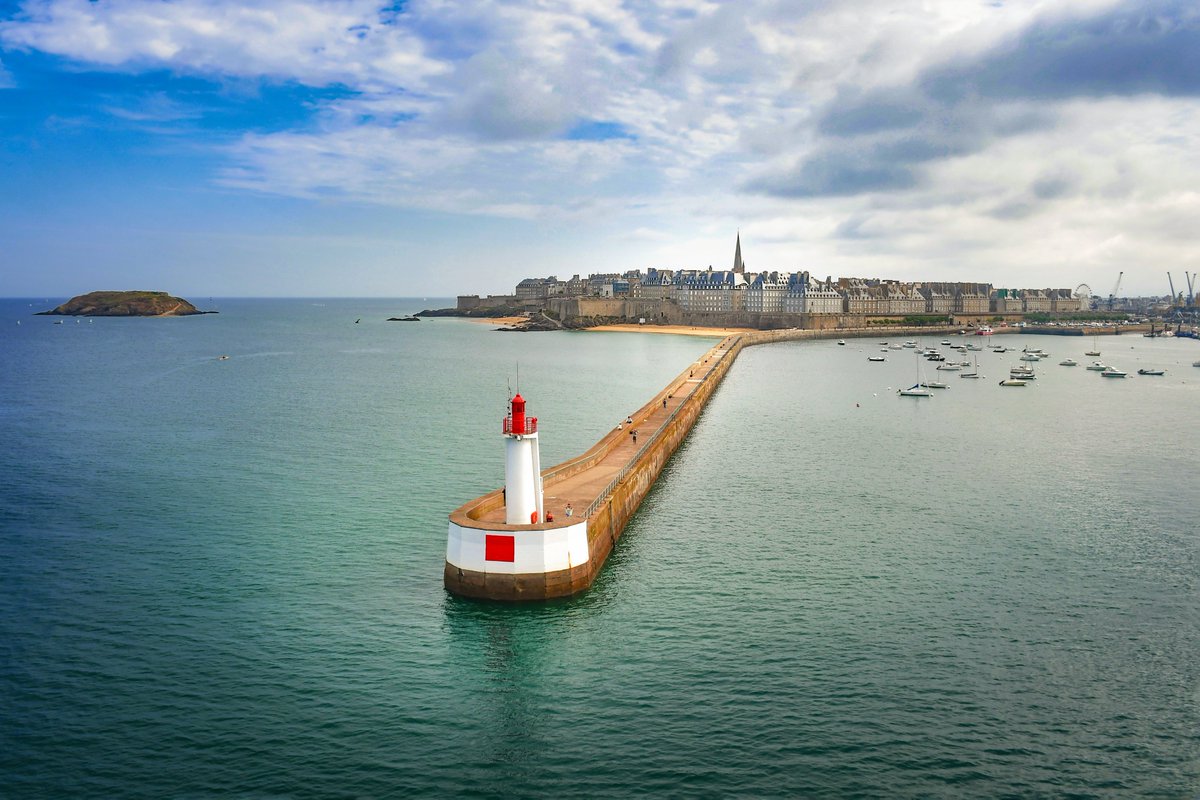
(224,577)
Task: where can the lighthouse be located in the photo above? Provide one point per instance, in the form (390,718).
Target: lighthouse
(522,467)
(502,547)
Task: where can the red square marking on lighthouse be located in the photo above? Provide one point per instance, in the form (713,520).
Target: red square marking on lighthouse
(499,548)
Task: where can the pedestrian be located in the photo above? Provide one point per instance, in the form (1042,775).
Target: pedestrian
(664,402)
(634,434)
(629,420)
(570,512)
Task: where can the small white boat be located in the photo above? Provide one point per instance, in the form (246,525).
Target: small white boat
(946,342)
(1196,363)
(910,343)
(949,367)
(968,375)
(1092,353)
(1152,372)
(876,358)
(934,385)
(1068,362)
(1112,373)
(1013,382)
(841,341)
(915,391)
(1097,366)
(1031,357)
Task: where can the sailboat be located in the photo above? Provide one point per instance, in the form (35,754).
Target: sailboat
(918,389)
(1095,351)
(974,373)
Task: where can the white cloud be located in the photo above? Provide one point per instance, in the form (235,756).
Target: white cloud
(351,42)
(844,116)
(6,78)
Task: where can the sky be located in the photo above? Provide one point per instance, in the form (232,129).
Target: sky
(433,148)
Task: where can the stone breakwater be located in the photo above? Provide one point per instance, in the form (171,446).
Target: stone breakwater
(605,485)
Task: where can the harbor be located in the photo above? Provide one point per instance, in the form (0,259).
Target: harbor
(494,554)
(581,506)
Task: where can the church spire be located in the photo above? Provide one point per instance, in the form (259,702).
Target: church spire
(738,266)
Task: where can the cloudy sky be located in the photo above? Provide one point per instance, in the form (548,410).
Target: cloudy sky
(435,147)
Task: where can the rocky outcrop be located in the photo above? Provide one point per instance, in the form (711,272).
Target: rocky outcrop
(477,313)
(126,304)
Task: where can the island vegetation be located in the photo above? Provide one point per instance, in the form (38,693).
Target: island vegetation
(126,304)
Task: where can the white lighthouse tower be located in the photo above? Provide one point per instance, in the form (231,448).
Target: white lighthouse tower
(522,467)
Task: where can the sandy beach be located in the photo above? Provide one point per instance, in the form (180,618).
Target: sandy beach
(500,320)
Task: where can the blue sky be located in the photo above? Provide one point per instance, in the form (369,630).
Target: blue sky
(358,148)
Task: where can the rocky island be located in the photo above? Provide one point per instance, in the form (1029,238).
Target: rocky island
(126,304)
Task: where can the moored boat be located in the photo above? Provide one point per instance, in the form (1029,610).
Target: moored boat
(1013,382)
(1152,372)
(1068,362)
(1097,366)
(1112,373)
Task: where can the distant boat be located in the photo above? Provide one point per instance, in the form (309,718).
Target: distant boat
(1196,363)
(1152,372)
(1068,362)
(1112,373)
(1097,366)
(974,373)
(934,385)
(1095,351)
(916,391)
(946,342)
(876,358)
(841,341)
(222,358)
(1013,382)
(949,367)
(984,331)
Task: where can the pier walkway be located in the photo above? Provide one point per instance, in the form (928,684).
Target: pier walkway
(584,488)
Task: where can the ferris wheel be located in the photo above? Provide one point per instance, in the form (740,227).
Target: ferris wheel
(1083,291)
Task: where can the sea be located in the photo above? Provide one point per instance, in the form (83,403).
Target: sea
(222,577)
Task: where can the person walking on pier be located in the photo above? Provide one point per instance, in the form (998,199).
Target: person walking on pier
(568,511)
(634,435)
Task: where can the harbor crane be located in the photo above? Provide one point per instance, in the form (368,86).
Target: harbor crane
(1191,299)
(1112,296)
(1172,282)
